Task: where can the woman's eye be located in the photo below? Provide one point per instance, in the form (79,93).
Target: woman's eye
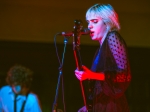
(95,21)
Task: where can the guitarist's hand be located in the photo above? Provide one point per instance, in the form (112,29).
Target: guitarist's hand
(83,75)
(83,109)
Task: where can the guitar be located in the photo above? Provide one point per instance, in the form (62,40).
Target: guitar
(76,48)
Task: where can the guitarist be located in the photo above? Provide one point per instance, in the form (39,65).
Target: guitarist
(17,96)
(110,72)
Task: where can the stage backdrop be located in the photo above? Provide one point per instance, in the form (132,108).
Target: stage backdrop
(40,20)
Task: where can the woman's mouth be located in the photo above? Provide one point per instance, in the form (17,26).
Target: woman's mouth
(91,33)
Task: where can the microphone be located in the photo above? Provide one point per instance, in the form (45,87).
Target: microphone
(85,31)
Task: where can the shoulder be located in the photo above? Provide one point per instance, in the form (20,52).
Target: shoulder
(4,91)
(32,97)
(115,37)
(33,102)
(5,88)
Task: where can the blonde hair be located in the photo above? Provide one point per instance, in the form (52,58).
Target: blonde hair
(108,15)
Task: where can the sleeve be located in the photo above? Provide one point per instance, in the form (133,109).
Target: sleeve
(0,102)
(36,105)
(33,104)
(118,77)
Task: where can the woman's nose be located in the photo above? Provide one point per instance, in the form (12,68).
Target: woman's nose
(89,26)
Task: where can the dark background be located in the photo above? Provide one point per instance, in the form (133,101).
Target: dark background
(40,20)
(42,59)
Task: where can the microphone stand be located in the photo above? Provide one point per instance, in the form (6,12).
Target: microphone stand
(54,109)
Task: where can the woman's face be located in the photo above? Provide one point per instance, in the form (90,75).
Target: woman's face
(96,26)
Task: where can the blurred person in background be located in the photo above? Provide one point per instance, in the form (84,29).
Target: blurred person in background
(17,96)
